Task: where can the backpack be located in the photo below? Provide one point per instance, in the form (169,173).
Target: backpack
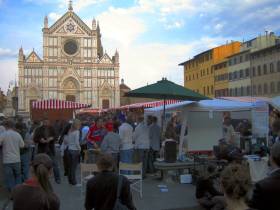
(118,204)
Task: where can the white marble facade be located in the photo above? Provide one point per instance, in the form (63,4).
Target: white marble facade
(74,66)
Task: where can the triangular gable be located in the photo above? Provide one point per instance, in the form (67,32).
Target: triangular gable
(61,30)
(56,27)
(79,31)
(105,59)
(33,58)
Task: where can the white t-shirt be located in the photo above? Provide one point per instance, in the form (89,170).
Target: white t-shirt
(126,133)
(228,133)
(11,142)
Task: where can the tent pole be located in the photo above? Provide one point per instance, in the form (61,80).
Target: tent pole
(163,117)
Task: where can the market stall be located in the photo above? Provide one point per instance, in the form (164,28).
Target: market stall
(204,120)
(54,109)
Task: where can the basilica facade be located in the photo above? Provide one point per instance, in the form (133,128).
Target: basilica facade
(74,66)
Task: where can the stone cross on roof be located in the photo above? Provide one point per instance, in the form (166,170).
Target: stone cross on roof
(70,6)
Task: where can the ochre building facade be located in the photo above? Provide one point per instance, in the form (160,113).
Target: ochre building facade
(199,71)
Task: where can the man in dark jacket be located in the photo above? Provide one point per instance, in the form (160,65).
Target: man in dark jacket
(44,137)
(101,190)
(266,192)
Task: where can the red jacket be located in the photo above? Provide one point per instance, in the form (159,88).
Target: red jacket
(109,126)
(95,134)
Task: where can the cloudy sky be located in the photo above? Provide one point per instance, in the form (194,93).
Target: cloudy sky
(152,36)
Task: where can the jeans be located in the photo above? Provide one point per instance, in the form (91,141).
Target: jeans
(25,164)
(144,159)
(66,162)
(12,175)
(55,168)
(74,157)
(151,159)
(126,156)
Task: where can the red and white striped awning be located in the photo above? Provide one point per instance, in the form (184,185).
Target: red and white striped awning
(57,104)
(149,104)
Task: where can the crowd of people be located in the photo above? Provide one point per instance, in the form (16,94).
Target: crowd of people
(117,139)
(235,189)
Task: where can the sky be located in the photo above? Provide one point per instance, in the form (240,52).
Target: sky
(152,36)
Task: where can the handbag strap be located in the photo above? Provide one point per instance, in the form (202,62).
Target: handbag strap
(119,186)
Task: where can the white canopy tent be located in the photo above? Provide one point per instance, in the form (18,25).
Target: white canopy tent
(158,111)
(276,102)
(204,119)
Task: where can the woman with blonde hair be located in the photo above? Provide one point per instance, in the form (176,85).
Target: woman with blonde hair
(236,183)
(37,192)
(73,146)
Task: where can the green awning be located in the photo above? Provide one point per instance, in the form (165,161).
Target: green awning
(165,89)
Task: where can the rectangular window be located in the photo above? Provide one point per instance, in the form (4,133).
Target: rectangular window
(52,41)
(52,51)
(52,82)
(253,71)
(241,74)
(230,76)
(247,72)
(52,94)
(88,83)
(265,90)
(272,87)
(271,67)
(254,90)
(259,71)
(264,69)
(278,66)
(248,90)
(88,72)
(87,42)
(259,89)
(88,96)
(235,75)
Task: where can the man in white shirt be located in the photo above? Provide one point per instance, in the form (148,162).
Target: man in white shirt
(142,142)
(228,131)
(11,142)
(126,150)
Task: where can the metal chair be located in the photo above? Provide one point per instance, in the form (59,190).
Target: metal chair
(134,174)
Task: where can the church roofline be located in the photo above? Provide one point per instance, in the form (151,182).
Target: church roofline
(35,54)
(70,13)
(106,54)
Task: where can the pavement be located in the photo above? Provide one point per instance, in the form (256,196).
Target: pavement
(178,196)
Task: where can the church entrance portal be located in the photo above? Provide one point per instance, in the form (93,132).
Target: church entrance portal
(105,104)
(71,98)
(70,89)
